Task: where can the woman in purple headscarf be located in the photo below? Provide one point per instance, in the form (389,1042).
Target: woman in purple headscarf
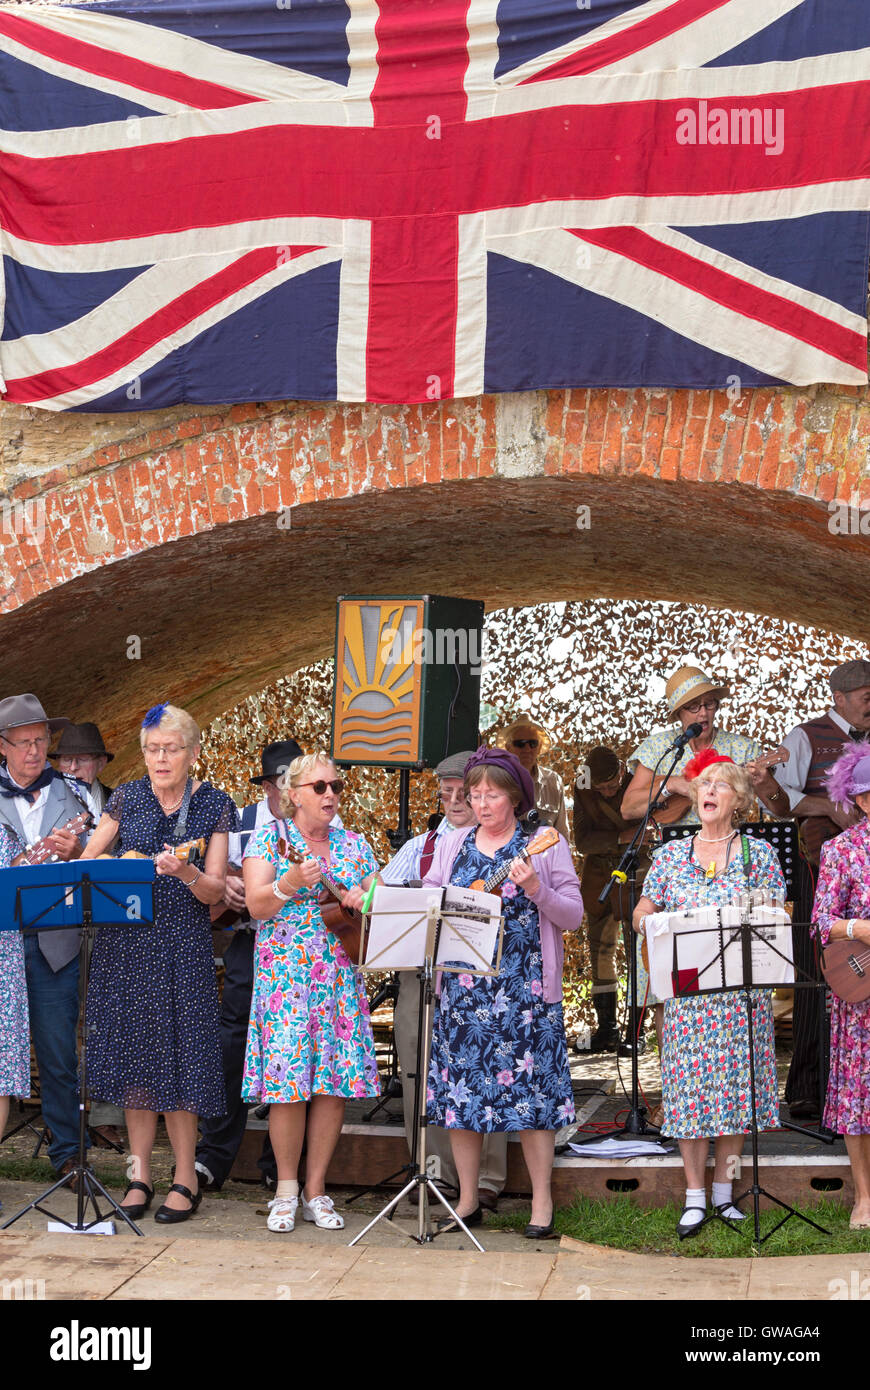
(499,1053)
(842,910)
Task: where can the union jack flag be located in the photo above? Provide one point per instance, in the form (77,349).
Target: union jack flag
(409,200)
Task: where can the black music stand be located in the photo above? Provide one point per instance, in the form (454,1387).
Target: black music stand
(727,935)
(58,897)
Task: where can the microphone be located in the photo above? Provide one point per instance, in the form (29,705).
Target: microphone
(693,731)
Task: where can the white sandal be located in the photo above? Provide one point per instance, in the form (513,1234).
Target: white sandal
(282,1213)
(321,1211)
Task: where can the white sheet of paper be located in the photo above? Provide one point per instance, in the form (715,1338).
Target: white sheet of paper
(463,939)
(698,950)
(397,933)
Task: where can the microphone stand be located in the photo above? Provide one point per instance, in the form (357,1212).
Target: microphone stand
(626,872)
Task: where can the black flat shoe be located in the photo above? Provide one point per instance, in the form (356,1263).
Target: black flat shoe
(474,1218)
(170,1215)
(139,1209)
(540,1232)
(691,1228)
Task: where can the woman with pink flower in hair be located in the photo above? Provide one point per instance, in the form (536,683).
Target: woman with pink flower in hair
(310,1046)
(499,1052)
(842,912)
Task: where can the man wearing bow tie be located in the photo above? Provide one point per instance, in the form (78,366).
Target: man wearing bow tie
(36,802)
(813,747)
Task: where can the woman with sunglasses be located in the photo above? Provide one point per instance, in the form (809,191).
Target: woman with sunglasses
(310,1045)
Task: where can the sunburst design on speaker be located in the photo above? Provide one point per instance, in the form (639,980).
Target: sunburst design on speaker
(377,712)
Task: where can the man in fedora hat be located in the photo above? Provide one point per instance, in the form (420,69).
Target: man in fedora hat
(81,753)
(410,865)
(813,747)
(220,1138)
(692,698)
(529,741)
(37,802)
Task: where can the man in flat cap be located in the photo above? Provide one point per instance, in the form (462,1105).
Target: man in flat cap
(409,866)
(813,747)
(221,1138)
(37,802)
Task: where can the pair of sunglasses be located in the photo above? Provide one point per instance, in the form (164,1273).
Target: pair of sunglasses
(320,787)
(525,742)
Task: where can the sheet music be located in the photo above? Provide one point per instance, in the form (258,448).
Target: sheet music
(700,947)
(400,918)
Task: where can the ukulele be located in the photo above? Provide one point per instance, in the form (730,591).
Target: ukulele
(41,852)
(545,839)
(677,804)
(187,852)
(222,918)
(846,967)
(344,922)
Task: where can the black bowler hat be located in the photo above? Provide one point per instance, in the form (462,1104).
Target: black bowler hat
(276,758)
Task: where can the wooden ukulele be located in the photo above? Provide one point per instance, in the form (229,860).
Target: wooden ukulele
(222,918)
(41,851)
(344,922)
(545,839)
(846,967)
(678,804)
(187,851)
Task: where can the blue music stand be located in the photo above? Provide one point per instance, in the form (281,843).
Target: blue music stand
(90,894)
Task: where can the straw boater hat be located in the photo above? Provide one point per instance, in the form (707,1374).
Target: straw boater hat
(688,684)
(505,738)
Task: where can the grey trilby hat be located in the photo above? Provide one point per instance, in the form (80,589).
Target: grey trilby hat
(26,709)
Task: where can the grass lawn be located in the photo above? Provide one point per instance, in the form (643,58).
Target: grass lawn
(620,1222)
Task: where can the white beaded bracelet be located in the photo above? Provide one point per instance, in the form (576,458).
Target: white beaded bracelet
(282,897)
(850,928)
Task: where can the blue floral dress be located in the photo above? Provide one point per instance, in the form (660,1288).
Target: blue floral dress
(705,1046)
(309,1033)
(14,1021)
(499,1053)
(152,1000)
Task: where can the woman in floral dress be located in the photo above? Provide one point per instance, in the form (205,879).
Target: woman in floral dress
(705,1045)
(14,1026)
(499,1053)
(310,1045)
(842,910)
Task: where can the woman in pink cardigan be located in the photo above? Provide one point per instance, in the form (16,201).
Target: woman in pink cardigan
(499,1052)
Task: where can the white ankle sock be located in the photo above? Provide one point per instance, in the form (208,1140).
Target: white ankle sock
(696,1202)
(722,1193)
(287,1187)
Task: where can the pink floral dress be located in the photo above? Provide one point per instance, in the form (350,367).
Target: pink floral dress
(705,1047)
(309,1033)
(844,891)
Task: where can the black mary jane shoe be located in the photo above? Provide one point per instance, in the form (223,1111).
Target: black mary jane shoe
(541,1232)
(138,1209)
(171,1215)
(447,1223)
(687,1229)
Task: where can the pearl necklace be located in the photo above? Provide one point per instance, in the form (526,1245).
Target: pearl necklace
(708,839)
(710,870)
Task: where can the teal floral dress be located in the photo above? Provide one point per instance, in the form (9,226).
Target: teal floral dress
(309,1032)
(705,1046)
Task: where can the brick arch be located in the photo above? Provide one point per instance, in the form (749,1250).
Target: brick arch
(221,540)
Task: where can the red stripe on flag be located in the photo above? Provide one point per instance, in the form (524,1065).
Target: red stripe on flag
(102,62)
(729,290)
(638,36)
(420,87)
(172,317)
(589,152)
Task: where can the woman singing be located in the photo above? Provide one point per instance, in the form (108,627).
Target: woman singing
(705,1050)
(499,1053)
(310,1045)
(842,910)
(152,1001)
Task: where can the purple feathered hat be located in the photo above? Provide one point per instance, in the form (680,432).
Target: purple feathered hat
(509,763)
(850,775)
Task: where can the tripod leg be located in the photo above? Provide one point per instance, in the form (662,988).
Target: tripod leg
(386,1211)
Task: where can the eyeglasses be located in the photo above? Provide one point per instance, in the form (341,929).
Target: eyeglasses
(320,787)
(172,750)
(36,743)
(525,742)
(718,786)
(476,797)
(697,705)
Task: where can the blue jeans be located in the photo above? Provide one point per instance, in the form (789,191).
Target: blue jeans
(54,1010)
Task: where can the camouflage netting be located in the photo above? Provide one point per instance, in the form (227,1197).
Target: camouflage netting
(591,672)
